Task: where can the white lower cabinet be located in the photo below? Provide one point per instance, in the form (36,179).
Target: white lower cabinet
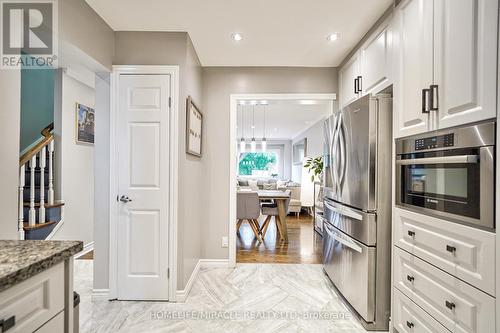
(35,301)
(55,325)
(410,318)
(466,252)
(455,304)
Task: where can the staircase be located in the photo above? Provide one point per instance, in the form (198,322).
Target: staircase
(38,213)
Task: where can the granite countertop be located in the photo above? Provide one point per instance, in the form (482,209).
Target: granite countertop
(22,259)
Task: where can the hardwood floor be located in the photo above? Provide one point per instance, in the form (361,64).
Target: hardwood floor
(304,246)
(88,256)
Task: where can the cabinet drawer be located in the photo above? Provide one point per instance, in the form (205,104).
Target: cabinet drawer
(454,303)
(34,301)
(55,325)
(463,251)
(409,318)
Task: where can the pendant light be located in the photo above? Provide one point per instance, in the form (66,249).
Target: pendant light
(263,143)
(253,143)
(242,141)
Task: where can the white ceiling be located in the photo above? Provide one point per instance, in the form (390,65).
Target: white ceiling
(276,32)
(284,119)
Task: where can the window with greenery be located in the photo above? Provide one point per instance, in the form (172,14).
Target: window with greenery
(258,164)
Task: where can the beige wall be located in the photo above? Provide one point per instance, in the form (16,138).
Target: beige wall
(314,136)
(10,106)
(175,48)
(74,167)
(81,27)
(218,85)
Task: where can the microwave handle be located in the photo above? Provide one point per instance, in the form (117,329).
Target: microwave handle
(461,159)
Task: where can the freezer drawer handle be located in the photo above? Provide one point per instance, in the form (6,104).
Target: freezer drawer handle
(410,278)
(344,242)
(409,324)
(450,305)
(411,233)
(345,212)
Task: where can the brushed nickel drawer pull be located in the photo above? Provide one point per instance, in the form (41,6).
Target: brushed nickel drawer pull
(7,324)
(450,305)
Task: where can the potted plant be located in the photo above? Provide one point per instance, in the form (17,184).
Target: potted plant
(315,167)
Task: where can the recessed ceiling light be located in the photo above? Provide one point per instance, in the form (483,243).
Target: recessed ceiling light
(237,36)
(263,102)
(333,37)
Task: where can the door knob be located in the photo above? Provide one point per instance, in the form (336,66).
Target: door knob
(125,199)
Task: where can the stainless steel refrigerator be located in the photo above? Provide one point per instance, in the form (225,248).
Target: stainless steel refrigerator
(357,206)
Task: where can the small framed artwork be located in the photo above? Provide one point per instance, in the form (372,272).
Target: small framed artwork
(194,128)
(85,124)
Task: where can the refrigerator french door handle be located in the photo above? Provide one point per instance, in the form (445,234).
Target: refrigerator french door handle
(330,147)
(335,155)
(346,243)
(343,149)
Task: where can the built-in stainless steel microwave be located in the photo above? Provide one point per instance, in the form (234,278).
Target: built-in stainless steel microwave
(449,174)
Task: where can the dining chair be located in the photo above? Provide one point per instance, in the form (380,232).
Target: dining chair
(248,208)
(271,210)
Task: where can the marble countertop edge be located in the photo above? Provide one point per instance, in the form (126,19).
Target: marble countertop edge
(20,260)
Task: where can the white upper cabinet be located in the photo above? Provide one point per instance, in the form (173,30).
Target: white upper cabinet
(412,40)
(445,63)
(465,65)
(375,55)
(348,78)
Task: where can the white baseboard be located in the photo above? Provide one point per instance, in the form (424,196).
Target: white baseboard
(86,249)
(100,294)
(215,263)
(182,295)
(54,231)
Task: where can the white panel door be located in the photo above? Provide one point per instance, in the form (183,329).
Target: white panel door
(348,73)
(412,39)
(465,37)
(143,150)
(376,60)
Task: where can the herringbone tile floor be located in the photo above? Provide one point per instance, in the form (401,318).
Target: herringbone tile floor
(249,298)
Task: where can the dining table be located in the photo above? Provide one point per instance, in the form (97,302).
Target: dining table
(279,198)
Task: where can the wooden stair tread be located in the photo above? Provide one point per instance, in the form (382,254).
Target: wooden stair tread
(27,227)
(37,205)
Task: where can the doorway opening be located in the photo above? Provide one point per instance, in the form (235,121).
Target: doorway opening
(276,146)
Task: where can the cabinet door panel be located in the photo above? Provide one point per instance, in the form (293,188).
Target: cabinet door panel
(348,73)
(413,72)
(465,33)
(375,60)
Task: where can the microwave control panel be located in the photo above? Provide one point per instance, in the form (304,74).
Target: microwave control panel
(447,140)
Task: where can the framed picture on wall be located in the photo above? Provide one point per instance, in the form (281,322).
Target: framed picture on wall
(85,124)
(194,128)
